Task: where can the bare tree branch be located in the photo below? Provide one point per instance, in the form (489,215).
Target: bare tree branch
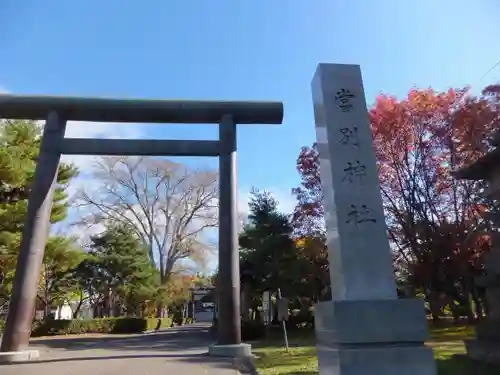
(168,206)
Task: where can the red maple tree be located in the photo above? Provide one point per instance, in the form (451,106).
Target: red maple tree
(434,220)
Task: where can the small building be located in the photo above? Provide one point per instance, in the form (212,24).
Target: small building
(202,303)
(64,311)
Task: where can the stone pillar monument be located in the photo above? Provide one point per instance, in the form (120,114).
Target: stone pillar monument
(365,329)
(486,346)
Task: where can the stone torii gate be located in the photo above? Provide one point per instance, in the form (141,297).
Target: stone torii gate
(56,111)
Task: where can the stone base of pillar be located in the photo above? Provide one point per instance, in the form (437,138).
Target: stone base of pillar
(373,337)
(232,351)
(411,360)
(21,356)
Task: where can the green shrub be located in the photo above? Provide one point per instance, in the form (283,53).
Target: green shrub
(178,318)
(252,330)
(301,319)
(67,327)
(102,325)
(152,323)
(34,324)
(123,325)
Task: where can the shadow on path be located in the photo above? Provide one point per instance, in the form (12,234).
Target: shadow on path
(182,349)
(119,357)
(180,339)
(142,360)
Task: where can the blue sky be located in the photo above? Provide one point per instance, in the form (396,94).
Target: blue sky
(256,50)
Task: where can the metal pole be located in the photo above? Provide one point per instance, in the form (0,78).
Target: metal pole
(283,323)
(34,238)
(228,285)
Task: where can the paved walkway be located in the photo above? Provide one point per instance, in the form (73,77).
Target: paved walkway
(175,351)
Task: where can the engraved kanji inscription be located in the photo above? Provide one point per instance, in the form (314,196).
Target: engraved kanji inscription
(349,136)
(359,215)
(344,100)
(355,172)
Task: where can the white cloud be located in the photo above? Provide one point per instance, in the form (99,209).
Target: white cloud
(80,129)
(101,130)
(84,129)
(106,130)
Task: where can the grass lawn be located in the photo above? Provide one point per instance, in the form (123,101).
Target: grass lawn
(272,359)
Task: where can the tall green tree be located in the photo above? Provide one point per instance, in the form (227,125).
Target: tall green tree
(87,279)
(268,254)
(56,282)
(119,271)
(19,147)
(313,283)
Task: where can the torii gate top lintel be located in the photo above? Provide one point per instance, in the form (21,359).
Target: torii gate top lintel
(140,110)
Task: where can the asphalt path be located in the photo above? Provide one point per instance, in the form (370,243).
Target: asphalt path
(181,350)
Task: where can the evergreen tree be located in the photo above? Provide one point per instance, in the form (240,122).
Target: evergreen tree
(267,251)
(120,262)
(56,282)
(19,147)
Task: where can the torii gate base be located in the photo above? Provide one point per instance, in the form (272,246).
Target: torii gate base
(57,111)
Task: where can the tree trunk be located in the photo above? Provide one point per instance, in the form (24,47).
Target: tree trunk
(467,306)
(478,303)
(77,309)
(46,310)
(481,292)
(108,303)
(79,306)
(159,310)
(464,307)
(47,305)
(59,310)
(435,306)
(455,311)
(465,300)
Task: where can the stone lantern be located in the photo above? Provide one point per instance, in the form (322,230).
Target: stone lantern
(486,346)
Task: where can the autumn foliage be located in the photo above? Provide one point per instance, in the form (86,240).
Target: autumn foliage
(436,223)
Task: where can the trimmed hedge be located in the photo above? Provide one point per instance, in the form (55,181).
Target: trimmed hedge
(103,325)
